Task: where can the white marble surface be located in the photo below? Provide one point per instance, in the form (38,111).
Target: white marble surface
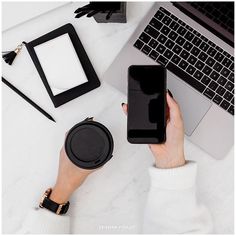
(112,199)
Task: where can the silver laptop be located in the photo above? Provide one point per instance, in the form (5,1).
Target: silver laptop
(196,47)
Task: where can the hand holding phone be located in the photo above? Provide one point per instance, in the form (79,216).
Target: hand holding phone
(171,153)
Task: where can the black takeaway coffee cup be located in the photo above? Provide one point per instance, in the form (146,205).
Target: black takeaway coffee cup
(89,144)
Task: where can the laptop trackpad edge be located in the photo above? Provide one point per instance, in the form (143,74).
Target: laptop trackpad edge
(192,104)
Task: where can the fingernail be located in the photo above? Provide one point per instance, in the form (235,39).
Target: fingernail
(122,104)
(170,93)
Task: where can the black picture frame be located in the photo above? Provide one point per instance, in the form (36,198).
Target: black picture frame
(93,81)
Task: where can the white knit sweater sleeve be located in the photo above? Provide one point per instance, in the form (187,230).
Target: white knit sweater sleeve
(172,205)
(42,221)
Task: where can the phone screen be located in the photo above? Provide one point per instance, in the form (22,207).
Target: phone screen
(146,104)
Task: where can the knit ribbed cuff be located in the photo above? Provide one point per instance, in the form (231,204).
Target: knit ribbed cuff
(176,178)
(42,221)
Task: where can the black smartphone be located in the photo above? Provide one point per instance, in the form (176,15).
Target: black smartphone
(146,104)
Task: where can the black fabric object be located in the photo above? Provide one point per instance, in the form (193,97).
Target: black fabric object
(89,144)
(93,8)
(9,57)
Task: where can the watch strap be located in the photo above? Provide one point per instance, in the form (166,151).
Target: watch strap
(49,204)
(59,209)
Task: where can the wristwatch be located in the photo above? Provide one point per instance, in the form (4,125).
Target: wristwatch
(47,203)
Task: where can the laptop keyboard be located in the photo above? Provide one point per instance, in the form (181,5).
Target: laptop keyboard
(191,56)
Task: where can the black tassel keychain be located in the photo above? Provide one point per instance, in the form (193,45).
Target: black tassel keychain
(9,56)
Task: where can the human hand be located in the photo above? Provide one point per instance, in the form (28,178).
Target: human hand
(69,178)
(171,153)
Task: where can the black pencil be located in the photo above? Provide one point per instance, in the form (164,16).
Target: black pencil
(27,99)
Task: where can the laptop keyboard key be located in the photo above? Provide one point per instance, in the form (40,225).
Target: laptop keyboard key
(174,25)
(207,70)
(220,90)
(159,15)
(176,59)
(151,31)
(219,49)
(226,54)
(168,54)
(225,72)
(232,67)
(145,38)
(177,49)
(170,44)
(222,80)
(211,52)
(192,59)
(181,22)
(210,61)
(153,43)
(217,99)
(166,20)
(146,49)
(202,56)
(231,77)
(213,85)
(188,46)
(162,60)
(180,40)
(196,41)
(195,51)
(189,28)
(190,69)
(138,44)
(209,93)
(219,57)
(184,54)
(172,35)
(174,17)
(186,77)
(224,104)
(162,38)
(183,64)
(205,80)
(160,48)
(181,30)
(199,65)
(231,110)
(204,46)
(229,86)
(228,96)
(165,30)
(155,23)
(214,75)
(154,54)
(204,38)
(226,62)
(217,66)
(189,36)
(198,75)
(165,11)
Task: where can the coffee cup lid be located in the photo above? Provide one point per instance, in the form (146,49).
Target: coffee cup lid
(89,144)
